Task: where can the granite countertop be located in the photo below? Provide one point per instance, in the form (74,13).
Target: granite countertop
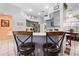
(35,34)
(39,34)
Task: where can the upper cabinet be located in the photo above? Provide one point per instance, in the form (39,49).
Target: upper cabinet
(54,17)
(32,26)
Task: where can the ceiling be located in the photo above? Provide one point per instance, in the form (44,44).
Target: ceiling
(41,7)
(73,8)
(36,8)
(19,8)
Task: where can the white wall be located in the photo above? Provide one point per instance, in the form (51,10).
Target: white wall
(17,15)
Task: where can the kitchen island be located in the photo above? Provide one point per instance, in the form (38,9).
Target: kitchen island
(38,38)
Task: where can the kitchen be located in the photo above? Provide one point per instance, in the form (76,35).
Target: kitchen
(38,18)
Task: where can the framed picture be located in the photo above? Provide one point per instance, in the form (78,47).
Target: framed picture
(4,23)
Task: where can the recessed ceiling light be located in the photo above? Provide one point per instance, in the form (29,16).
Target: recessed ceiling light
(46,7)
(30,10)
(39,13)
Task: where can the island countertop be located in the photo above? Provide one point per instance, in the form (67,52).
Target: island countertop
(39,34)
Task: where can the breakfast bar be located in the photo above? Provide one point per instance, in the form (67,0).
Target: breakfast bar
(39,39)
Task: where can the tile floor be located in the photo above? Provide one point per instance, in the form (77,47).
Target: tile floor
(8,48)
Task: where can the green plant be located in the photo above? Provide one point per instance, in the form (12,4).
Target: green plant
(65,6)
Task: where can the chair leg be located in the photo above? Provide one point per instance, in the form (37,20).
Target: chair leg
(34,53)
(44,54)
(18,54)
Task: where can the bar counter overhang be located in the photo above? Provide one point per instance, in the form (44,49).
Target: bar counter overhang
(39,39)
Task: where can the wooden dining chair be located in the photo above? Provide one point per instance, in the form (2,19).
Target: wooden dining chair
(53,47)
(24,42)
(69,37)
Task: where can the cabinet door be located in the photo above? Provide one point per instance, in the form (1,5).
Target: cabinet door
(57,18)
(50,23)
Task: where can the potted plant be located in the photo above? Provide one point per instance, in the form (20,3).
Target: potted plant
(65,6)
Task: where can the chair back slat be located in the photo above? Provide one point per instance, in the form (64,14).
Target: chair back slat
(55,33)
(29,34)
(23,33)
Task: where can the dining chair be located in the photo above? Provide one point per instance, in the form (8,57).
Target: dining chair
(69,37)
(24,42)
(54,41)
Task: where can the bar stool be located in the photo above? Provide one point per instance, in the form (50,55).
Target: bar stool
(23,47)
(53,47)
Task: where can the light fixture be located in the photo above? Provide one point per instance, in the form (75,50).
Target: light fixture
(39,13)
(46,7)
(30,10)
